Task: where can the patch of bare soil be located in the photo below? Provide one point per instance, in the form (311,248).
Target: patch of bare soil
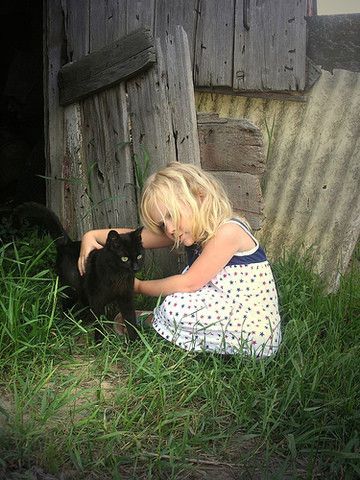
(217,471)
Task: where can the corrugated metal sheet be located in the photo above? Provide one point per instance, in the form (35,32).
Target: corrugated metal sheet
(312,182)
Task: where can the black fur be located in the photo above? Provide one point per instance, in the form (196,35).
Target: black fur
(110,271)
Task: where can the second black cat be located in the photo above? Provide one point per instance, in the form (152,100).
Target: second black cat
(109,274)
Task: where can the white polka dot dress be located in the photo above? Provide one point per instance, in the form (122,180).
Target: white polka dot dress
(236,312)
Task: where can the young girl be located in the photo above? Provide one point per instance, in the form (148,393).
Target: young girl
(225,301)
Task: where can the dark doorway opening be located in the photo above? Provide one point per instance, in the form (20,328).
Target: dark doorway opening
(22,161)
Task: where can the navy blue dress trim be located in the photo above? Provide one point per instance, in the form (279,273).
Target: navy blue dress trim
(256,257)
(259,256)
(193,251)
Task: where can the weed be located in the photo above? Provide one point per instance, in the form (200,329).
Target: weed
(270,137)
(142,168)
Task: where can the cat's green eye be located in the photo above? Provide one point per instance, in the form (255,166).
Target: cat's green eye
(124,259)
(138,257)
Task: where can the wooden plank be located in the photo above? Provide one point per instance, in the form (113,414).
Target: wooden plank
(231,145)
(181,96)
(113,63)
(269,45)
(290,96)
(161,131)
(244,192)
(152,134)
(111,185)
(97,25)
(162,107)
(106,132)
(78,217)
(53,121)
(170,14)
(214,43)
(107,22)
(76,19)
(139,14)
(74,166)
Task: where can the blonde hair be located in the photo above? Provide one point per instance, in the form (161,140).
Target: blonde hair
(182,184)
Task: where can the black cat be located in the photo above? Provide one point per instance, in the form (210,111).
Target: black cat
(109,273)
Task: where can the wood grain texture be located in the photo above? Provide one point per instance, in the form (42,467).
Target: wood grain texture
(181,96)
(76,24)
(231,144)
(235,45)
(74,167)
(270,53)
(76,187)
(245,194)
(162,107)
(139,14)
(107,22)
(106,131)
(53,121)
(111,185)
(106,67)
(170,14)
(151,127)
(214,44)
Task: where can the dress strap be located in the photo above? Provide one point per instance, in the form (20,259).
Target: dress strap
(258,256)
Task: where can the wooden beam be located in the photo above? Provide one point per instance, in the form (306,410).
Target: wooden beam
(123,59)
(276,95)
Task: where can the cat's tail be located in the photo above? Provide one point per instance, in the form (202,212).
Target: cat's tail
(43,216)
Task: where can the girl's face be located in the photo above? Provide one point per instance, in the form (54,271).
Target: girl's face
(164,220)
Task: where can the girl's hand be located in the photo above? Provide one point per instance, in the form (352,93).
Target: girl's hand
(88,244)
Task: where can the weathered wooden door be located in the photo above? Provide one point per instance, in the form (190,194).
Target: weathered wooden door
(95,140)
(89,158)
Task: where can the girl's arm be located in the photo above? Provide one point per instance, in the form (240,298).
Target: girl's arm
(218,251)
(96,239)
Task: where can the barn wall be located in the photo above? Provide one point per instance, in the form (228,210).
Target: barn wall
(311,184)
(262,47)
(312,181)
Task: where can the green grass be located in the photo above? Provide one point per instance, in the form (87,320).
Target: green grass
(150,410)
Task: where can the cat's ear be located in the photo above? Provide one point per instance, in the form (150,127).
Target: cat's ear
(112,238)
(112,235)
(137,234)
